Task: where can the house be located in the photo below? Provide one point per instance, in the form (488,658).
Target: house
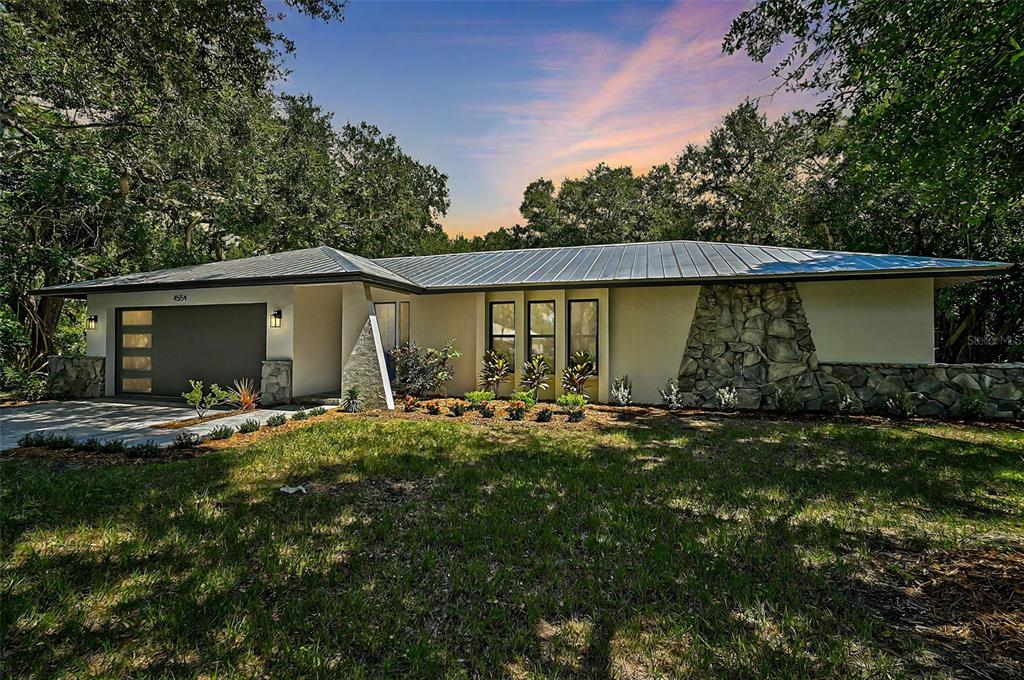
(756,319)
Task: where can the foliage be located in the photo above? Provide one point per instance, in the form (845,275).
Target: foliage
(496,370)
(301,414)
(432,406)
(22,383)
(249,425)
(203,402)
(146,449)
(845,404)
(318,411)
(726,398)
(544,415)
(277,420)
(221,432)
(671,395)
(477,397)
(534,376)
(972,405)
(573,404)
(900,405)
(48,440)
(524,396)
(622,391)
(457,407)
(408,403)
(353,399)
(486,409)
(186,440)
(577,373)
(786,400)
(244,396)
(516,409)
(422,372)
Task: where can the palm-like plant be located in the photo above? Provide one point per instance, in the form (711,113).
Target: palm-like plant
(244,396)
(497,369)
(353,399)
(535,375)
(576,374)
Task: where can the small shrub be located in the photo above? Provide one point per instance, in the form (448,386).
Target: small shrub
(900,405)
(249,425)
(573,405)
(146,449)
(318,411)
(845,403)
(972,405)
(222,432)
(47,440)
(112,446)
(535,374)
(787,401)
(23,384)
(726,398)
(186,440)
(544,415)
(671,395)
(577,373)
(486,410)
(353,400)
(423,371)
(576,416)
(524,396)
(477,397)
(408,403)
(456,407)
(301,414)
(245,395)
(496,370)
(204,402)
(90,444)
(622,391)
(517,410)
(276,420)
(432,407)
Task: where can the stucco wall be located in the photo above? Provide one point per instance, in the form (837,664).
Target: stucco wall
(435,319)
(885,320)
(317,340)
(646,325)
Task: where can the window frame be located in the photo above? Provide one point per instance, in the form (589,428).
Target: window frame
(597,330)
(553,335)
(398,307)
(490,327)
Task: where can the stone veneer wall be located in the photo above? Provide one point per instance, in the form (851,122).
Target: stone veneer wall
(76,377)
(276,382)
(362,368)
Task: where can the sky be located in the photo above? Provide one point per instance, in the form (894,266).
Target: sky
(497,94)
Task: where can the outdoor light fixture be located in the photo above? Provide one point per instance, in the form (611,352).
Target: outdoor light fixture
(91,321)
(275,319)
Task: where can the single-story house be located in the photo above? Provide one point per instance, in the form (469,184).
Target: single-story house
(756,319)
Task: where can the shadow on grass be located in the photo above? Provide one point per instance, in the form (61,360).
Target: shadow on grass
(655,547)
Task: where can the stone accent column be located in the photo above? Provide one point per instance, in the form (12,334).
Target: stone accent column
(365,366)
(276,382)
(754,338)
(76,377)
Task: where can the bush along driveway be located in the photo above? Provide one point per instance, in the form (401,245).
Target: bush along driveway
(651,546)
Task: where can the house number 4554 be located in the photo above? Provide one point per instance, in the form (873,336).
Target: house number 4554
(180,298)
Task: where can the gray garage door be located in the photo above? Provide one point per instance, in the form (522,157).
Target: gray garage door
(160,348)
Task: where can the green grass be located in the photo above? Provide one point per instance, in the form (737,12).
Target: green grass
(661,547)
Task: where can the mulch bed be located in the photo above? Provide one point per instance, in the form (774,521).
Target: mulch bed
(178,424)
(966,606)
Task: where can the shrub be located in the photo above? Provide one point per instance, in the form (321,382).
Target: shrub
(477,397)
(726,398)
(249,425)
(845,403)
(671,395)
(517,410)
(204,402)
(90,444)
(456,407)
(408,403)
(900,405)
(524,396)
(48,440)
(573,405)
(301,414)
(276,420)
(186,440)
(577,373)
(432,407)
(244,396)
(23,384)
(353,400)
(424,371)
(222,432)
(146,449)
(486,410)
(622,391)
(112,446)
(535,374)
(318,411)
(787,401)
(972,404)
(544,415)
(496,370)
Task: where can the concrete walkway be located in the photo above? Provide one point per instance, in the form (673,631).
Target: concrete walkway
(132,422)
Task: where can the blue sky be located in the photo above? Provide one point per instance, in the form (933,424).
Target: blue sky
(496,94)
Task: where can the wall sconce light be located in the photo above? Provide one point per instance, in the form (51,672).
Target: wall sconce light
(275,319)
(91,321)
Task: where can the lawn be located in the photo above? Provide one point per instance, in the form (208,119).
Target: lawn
(644,545)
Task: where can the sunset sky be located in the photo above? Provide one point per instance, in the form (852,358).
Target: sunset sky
(496,94)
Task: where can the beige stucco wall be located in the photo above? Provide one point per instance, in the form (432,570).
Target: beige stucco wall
(880,320)
(649,327)
(435,319)
(317,339)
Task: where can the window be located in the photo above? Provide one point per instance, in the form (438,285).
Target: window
(403,323)
(393,322)
(137,363)
(136,385)
(541,330)
(503,329)
(137,317)
(137,340)
(583,328)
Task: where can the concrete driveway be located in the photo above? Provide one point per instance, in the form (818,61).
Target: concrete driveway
(132,422)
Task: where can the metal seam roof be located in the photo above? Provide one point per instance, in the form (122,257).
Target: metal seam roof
(609,264)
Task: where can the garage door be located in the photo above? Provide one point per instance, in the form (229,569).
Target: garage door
(159,349)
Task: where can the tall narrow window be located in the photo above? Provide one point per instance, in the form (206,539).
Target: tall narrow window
(541,330)
(386,323)
(503,329)
(403,323)
(583,328)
